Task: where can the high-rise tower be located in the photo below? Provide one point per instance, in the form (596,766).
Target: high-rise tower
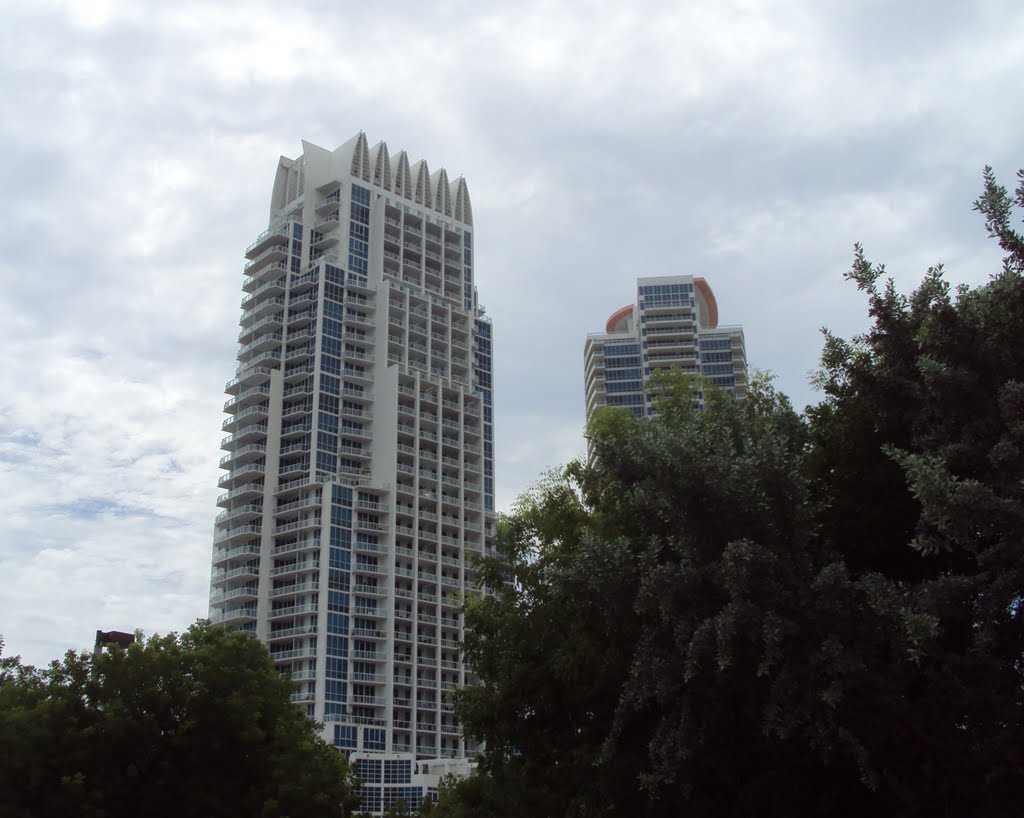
(672,326)
(359,472)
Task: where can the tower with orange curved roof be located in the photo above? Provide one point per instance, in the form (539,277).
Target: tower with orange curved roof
(672,325)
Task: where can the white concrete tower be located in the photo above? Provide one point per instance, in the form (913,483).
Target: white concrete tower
(359,474)
(672,326)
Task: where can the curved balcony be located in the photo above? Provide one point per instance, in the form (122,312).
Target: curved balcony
(234,616)
(263,326)
(245,592)
(249,396)
(225,578)
(244,492)
(222,556)
(244,513)
(253,433)
(245,473)
(242,532)
(244,454)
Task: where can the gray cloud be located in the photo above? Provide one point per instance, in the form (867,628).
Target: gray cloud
(751,143)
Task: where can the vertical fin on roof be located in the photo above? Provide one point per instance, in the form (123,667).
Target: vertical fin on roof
(361,159)
(403,177)
(381,166)
(422,195)
(463,207)
(442,195)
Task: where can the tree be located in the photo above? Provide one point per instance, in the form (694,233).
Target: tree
(737,610)
(196,724)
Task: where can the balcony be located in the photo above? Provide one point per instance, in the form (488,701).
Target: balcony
(293,411)
(243,455)
(253,376)
(289,633)
(292,610)
(330,221)
(295,589)
(276,233)
(264,342)
(293,373)
(293,485)
(258,311)
(271,357)
(293,469)
(368,633)
(276,269)
(295,568)
(277,250)
(234,615)
(359,337)
(307,544)
(371,525)
(300,318)
(305,502)
(369,548)
(294,429)
(361,374)
(354,471)
(248,591)
(226,537)
(224,555)
(293,653)
(305,282)
(331,199)
(364,395)
(297,525)
(248,396)
(239,513)
(277,285)
(245,571)
(321,240)
(372,701)
(247,491)
(262,327)
(300,353)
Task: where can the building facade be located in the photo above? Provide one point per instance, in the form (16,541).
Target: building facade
(358,478)
(673,325)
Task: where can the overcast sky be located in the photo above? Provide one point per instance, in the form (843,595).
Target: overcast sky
(751,143)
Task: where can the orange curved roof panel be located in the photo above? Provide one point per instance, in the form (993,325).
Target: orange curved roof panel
(617,316)
(709,299)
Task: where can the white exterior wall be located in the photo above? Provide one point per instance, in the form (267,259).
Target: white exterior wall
(358,595)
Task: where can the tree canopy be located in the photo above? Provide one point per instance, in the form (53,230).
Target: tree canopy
(738,610)
(193,725)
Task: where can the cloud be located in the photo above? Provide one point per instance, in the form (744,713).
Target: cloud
(751,143)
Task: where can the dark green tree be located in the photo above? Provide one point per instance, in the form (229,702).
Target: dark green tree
(736,610)
(193,725)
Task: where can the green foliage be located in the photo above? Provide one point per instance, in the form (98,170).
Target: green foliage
(736,610)
(199,724)
(477,796)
